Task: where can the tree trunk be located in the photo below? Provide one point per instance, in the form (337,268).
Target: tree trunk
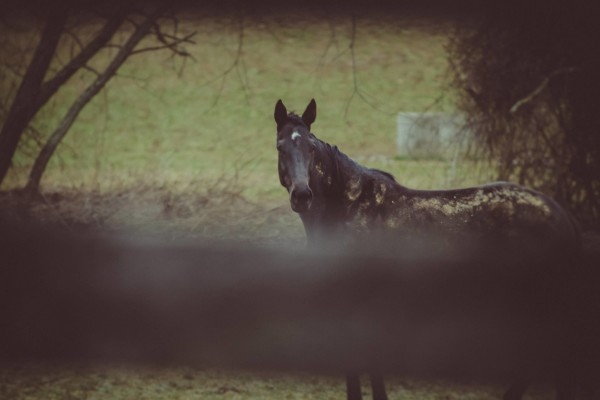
(23,106)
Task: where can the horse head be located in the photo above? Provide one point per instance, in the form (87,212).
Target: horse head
(296,147)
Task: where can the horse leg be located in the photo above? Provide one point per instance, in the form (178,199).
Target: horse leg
(516,391)
(353,390)
(378,387)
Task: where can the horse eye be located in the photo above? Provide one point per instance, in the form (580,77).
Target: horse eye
(279,145)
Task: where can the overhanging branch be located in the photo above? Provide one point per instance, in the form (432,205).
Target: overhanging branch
(540,88)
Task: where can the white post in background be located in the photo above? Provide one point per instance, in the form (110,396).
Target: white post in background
(431,135)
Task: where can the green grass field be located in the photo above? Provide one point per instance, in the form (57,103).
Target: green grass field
(161,121)
(189,148)
(186,127)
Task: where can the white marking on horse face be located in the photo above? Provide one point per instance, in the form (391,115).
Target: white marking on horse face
(295,135)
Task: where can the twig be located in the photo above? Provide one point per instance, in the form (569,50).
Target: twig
(356,89)
(75,39)
(354,78)
(330,43)
(15,69)
(172,45)
(35,134)
(169,45)
(93,70)
(540,88)
(162,36)
(234,65)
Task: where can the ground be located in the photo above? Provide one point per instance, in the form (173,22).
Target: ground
(119,383)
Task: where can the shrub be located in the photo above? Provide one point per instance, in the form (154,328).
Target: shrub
(528,79)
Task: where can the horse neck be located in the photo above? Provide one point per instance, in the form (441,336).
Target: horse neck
(340,167)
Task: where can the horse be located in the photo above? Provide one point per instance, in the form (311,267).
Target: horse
(339,199)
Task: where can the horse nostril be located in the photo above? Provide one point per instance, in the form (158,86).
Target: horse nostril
(304,195)
(301,199)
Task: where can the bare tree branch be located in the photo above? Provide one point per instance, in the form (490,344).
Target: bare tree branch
(40,92)
(540,88)
(15,69)
(41,161)
(171,45)
(75,39)
(357,91)
(51,86)
(354,77)
(91,69)
(238,60)
(330,43)
(179,39)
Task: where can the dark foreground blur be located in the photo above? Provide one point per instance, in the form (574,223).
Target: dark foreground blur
(474,313)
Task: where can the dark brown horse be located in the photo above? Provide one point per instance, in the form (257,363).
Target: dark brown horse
(341,201)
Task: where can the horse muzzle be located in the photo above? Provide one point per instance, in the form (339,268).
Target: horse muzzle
(301,198)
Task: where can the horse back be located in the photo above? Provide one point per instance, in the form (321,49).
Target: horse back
(498,210)
(501,208)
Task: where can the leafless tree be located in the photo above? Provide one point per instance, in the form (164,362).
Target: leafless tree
(40,83)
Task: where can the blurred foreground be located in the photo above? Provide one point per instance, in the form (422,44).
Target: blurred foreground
(472,315)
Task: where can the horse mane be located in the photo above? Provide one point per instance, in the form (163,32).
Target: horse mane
(333,154)
(296,119)
(386,174)
(336,155)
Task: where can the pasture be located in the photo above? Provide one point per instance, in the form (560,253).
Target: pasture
(118,383)
(170,128)
(188,149)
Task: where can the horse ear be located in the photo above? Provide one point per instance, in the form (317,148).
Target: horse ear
(310,114)
(280,113)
